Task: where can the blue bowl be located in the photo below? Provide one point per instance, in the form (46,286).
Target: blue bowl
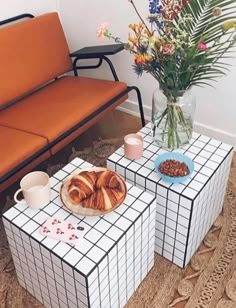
(176,156)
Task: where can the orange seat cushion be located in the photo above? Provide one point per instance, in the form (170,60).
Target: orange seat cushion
(61,105)
(32,52)
(16,146)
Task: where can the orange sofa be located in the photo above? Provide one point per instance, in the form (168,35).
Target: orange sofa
(42,108)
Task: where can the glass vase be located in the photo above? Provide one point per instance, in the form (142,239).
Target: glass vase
(172,122)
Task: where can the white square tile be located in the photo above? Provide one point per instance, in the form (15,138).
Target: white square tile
(196,185)
(138,205)
(123,223)
(114,233)
(41,217)
(73,257)
(112,217)
(11,213)
(50,242)
(184,212)
(177,187)
(83,246)
(207,171)
(93,235)
(146,197)
(201,178)
(171,215)
(212,165)
(85,265)
(135,191)
(214,142)
(102,226)
(131,214)
(210,148)
(129,175)
(173,196)
(69,168)
(20,220)
(31,212)
(216,158)
(205,154)
(133,166)
(115,157)
(53,181)
(30,226)
(60,175)
(199,144)
(51,209)
(95,254)
(61,249)
(120,170)
(61,214)
(190,193)
(200,160)
(226,147)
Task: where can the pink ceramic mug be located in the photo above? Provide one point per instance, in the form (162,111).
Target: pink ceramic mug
(133,144)
(35,187)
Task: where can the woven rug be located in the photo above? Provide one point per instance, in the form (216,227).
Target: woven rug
(208,281)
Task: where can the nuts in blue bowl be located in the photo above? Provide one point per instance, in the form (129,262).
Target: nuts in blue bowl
(174,167)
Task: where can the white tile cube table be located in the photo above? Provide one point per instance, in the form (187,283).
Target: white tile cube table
(107,265)
(186,211)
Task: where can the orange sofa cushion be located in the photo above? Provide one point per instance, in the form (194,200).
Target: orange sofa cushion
(32,52)
(16,146)
(61,105)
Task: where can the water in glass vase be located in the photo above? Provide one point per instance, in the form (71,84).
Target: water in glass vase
(172,123)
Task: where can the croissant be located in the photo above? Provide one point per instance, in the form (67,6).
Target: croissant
(82,186)
(108,179)
(103,199)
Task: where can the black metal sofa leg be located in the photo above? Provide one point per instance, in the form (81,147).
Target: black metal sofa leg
(140,103)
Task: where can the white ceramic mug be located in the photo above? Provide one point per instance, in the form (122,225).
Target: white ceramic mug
(35,187)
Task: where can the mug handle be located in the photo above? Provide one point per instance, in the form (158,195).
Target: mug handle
(15,197)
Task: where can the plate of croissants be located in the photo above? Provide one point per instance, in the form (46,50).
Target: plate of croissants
(93,192)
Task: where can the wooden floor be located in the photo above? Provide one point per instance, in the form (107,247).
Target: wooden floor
(116,124)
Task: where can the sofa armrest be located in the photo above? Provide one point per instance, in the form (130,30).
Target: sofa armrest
(99,52)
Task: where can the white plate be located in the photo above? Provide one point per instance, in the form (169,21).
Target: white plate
(79,209)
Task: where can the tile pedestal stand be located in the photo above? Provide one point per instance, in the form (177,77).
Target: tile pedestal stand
(186,211)
(107,265)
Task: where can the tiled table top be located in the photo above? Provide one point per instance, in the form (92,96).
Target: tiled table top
(206,153)
(102,233)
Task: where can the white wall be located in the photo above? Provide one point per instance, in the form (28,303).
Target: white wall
(216,109)
(9,8)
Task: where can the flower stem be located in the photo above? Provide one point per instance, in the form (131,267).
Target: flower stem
(140,17)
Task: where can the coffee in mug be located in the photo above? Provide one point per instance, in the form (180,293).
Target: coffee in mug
(35,187)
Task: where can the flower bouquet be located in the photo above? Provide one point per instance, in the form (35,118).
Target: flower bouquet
(181,43)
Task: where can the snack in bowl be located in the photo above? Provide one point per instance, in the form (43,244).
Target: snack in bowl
(99,190)
(174,168)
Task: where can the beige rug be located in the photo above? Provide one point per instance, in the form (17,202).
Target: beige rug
(209,281)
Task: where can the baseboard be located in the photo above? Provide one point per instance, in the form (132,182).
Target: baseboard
(215,133)
(131,107)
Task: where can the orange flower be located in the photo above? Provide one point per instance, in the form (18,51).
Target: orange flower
(132,27)
(148,58)
(139,59)
(133,39)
